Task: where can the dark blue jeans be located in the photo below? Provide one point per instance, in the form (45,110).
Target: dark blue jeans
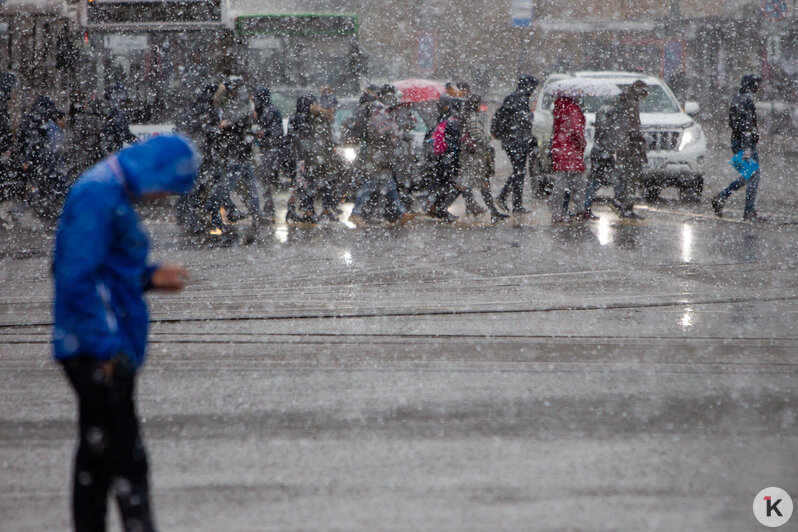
(751,185)
(235,173)
(600,174)
(385,185)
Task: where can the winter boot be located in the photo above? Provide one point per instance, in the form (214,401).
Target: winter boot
(752,216)
(717,206)
(495,214)
(472,207)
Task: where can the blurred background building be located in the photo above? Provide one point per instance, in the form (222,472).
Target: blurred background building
(701,46)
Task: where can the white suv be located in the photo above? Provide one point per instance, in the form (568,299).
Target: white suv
(676,143)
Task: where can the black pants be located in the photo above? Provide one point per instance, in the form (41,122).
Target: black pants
(110,449)
(518,154)
(447,170)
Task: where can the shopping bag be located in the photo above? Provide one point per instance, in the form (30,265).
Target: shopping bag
(746,167)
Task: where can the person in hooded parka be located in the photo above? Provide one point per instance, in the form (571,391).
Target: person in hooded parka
(271,141)
(745,138)
(9,174)
(42,157)
(233,147)
(631,155)
(101,272)
(116,129)
(200,123)
(512,124)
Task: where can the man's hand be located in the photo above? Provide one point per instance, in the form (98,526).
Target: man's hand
(108,370)
(170,278)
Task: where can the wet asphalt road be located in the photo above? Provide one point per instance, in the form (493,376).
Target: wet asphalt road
(608,376)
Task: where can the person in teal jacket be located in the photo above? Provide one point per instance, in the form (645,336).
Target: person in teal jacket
(100,318)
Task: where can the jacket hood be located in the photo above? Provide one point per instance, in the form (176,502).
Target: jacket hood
(45,108)
(165,163)
(263,99)
(7,83)
(750,83)
(527,84)
(303,104)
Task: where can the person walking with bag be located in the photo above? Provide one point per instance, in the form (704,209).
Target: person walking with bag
(744,138)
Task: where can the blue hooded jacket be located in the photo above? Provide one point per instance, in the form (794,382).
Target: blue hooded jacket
(100,256)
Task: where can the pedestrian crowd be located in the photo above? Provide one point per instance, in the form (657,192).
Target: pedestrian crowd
(100,259)
(390,180)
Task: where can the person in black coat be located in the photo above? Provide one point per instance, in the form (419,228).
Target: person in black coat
(41,157)
(116,131)
(744,137)
(7,83)
(234,142)
(271,142)
(199,123)
(8,171)
(300,130)
(447,165)
(85,127)
(512,124)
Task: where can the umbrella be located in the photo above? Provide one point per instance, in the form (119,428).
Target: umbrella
(583,87)
(419,90)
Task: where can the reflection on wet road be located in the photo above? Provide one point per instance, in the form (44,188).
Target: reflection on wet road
(437,376)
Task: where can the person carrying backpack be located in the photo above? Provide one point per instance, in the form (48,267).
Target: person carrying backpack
(512,124)
(382,137)
(476,161)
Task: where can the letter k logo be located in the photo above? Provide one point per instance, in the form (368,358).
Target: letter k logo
(772,506)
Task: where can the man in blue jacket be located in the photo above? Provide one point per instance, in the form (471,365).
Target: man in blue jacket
(100,329)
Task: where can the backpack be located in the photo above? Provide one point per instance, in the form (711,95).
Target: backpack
(355,126)
(439,138)
(499,124)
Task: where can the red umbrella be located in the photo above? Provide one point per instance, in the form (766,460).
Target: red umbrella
(419,90)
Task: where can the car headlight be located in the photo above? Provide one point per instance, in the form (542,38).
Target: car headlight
(690,136)
(349,154)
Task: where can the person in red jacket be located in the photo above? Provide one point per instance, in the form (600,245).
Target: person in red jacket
(567,155)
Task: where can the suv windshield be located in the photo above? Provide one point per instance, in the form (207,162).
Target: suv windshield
(657,101)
